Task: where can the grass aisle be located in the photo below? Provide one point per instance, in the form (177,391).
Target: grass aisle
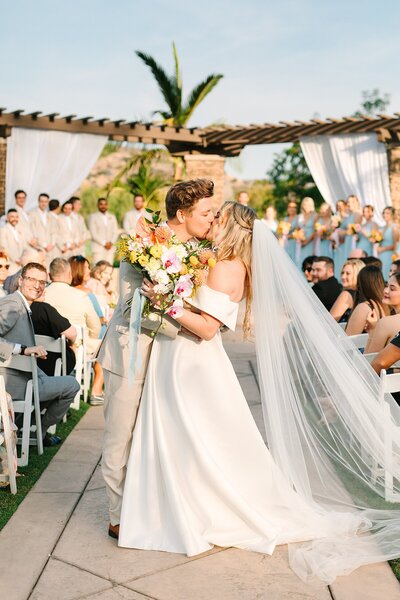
(37,464)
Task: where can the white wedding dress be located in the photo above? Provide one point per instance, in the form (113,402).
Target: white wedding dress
(199,473)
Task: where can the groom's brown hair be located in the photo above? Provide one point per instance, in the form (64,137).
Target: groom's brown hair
(184,195)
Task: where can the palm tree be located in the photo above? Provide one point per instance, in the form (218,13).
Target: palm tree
(178,113)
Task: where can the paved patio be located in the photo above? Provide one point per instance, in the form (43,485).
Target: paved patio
(56,545)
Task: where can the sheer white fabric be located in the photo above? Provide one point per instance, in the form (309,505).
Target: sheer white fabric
(54,162)
(349,164)
(324,424)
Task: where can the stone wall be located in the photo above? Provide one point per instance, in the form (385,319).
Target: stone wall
(394,176)
(208,166)
(3,156)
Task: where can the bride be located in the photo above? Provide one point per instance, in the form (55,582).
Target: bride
(199,473)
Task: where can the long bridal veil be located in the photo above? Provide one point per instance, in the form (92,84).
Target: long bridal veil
(326,429)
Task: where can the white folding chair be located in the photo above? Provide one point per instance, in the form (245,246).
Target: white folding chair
(360,341)
(370,357)
(342,325)
(82,366)
(6,436)
(31,402)
(55,345)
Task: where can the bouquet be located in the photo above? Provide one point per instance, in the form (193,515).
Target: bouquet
(351,229)
(283,228)
(299,235)
(176,268)
(375,237)
(336,221)
(322,230)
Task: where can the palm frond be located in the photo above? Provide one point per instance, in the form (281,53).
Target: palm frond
(178,78)
(198,94)
(166,84)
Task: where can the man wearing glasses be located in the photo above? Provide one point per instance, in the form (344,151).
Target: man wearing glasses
(17,337)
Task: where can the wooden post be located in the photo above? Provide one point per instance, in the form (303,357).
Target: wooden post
(394,176)
(209,166)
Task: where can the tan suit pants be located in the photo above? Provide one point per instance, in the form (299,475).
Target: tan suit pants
(121,404)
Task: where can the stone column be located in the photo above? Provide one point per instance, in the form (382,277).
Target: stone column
(3,157)
(394,176)
(208,166)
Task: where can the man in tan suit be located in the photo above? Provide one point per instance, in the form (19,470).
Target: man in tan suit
(132,216)
(66,237)
(189,210)
(13,240)
(24,223)
(82,232)
(103,229)
(41,224)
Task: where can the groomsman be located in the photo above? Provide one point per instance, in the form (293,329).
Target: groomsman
(42,226)
(24,223)
(82,232)
(132,216)
(12,239)
(103,228)
(66,234)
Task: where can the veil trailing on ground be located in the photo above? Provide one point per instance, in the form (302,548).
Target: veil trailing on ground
(325,426)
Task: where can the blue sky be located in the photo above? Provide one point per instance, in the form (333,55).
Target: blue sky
(282,60)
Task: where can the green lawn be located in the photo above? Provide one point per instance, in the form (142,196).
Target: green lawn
(36,466)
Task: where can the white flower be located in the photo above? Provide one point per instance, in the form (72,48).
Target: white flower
(161,276)
(180,251)
(134,246)
(163,288)
(153,317)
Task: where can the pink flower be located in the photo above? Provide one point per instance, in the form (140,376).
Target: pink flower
(184,286)
(171,261)
(176,309)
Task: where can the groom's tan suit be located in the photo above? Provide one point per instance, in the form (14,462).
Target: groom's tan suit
(121,401)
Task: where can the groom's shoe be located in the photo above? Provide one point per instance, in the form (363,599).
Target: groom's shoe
(113,531)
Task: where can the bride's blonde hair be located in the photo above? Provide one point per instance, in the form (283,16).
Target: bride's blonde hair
(237,243)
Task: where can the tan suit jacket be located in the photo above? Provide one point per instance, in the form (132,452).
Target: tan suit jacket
(82,232)
(130,220)
(66,236)
(44,233)
(24,224)
(103,230)
(13,247)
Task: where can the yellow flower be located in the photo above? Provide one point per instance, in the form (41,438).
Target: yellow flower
(143,260)
(211,262)
(133,257)
(156,251)
(194,261)
(183,270)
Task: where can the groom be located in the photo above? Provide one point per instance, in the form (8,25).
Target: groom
(190,215)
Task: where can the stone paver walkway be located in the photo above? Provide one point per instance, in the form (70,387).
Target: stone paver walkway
(56,547)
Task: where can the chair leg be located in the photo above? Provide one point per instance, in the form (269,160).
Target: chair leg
(26,426)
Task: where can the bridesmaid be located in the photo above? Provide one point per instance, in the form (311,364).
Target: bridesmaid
(349,239)
(323,226)
(307,220)
(292,217)
(339,236)
(367,226)
(387,246)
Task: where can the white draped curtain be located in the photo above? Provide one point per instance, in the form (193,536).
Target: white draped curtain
(349,164)
(53,162)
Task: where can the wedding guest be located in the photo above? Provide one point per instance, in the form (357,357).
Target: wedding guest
(365,230)
(80,271)
(388,356)
(344,304)
(243,198)
(4,267)
(395,267)
(66,232)
(28,255)
(326,286)
(381,332)
(323,230)
(99,284)
(387,246)
(270,218)
(132,216)
(103,228)
(82,234)
(42,225)
(54,207)
(24,222)
(353,222)
(357,253)
(13,240)
(292,218)
(307,220)
(306,267)
(368,301)
(372,261)
(338,235)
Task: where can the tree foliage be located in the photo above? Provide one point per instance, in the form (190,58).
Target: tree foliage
(373,103)
(179,112)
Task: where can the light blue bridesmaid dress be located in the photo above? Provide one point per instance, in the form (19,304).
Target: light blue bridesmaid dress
(308,228)
(363,242)
(290,245)
(325,246)
(340,254)
(386,257)
(349,242)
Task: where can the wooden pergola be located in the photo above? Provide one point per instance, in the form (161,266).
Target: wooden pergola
(216,141)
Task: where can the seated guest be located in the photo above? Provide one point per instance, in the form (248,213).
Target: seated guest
(4,267)
(48,321)
(388,356)
(326,286)
(13,240)
(372,261)
(357,253)
(71,303)
(368,301)
(394,267)
(99,283)
(343,306)
(28,255)
(306,267)
(381,332)
(18,336)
